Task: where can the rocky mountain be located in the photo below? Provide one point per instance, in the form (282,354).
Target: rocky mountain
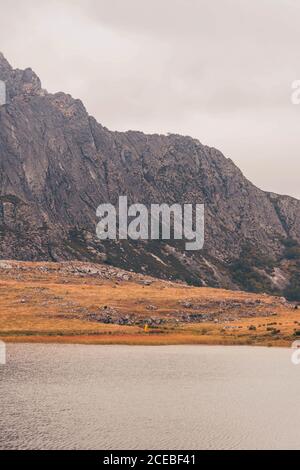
(57,164)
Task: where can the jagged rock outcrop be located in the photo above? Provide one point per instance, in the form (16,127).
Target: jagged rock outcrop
(57,164)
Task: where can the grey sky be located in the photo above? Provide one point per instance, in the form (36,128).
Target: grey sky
(218,70)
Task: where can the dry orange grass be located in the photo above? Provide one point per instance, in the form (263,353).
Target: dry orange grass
(52,307)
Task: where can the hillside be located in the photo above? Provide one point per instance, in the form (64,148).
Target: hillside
(57,164)
(76,302)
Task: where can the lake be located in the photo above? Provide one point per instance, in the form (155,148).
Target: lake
(136,397)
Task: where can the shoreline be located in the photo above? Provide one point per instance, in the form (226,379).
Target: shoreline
(139,340)
(37,342)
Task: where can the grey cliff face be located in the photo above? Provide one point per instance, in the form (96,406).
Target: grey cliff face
(57,164)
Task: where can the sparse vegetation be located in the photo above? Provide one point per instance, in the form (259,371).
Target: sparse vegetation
(292,249)
(292,292)
(50,302)
(247,270)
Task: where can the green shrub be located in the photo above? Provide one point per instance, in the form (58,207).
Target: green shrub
(292,249)
(245,270)
(292,292)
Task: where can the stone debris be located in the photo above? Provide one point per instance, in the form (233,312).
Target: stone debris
(196,310)
(151,307)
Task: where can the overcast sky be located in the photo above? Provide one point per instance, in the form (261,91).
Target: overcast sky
(218,70)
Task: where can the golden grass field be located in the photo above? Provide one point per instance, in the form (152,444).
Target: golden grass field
(51,302)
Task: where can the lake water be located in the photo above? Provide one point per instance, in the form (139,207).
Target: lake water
(169,397)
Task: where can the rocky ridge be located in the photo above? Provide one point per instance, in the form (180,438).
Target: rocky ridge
(57,164)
